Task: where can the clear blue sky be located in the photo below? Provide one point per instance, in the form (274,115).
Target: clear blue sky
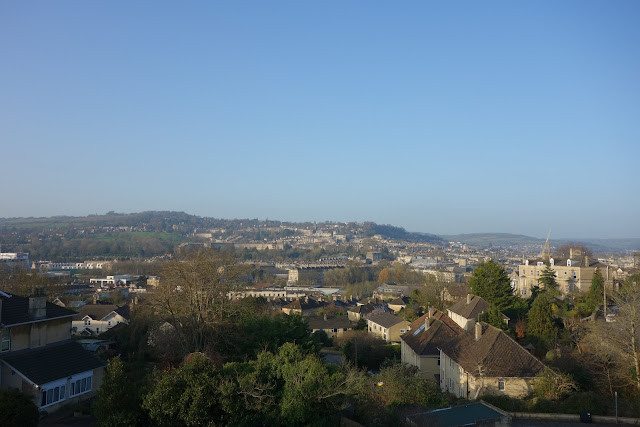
(443,117)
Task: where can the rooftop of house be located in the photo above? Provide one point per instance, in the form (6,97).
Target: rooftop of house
(362,309)
(330,322)
(399,301)
(425,341)
(52,362)
(299,304)
(15,310)
(495,354)
(470,307)
(100,311)
(386,320)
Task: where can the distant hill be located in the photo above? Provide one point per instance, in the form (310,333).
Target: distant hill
(505,240)
(154,233)
(484,240)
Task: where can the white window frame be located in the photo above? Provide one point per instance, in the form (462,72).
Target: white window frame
(51,390)
(5,339)
(501,384)
(83,382)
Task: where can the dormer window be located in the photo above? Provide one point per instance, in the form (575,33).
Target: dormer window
(568,263)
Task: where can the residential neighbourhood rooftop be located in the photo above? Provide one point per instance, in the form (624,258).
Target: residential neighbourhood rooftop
(15,311)
(493,352)
(386,320)
(426,340)
(470,307)
(62,359)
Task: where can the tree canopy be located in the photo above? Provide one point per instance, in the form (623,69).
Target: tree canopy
(490,281)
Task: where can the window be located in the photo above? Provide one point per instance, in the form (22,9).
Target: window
(402,331)
(500,383)
(80,384)
(5,339)
(438,360)
(52,394)
(87,321)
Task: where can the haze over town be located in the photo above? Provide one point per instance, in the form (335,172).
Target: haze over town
(293,213)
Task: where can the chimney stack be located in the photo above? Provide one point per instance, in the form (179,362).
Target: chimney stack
(428,321)
(37,306)
(478,331)
(469,296)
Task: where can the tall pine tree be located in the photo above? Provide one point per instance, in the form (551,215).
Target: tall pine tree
(490,281)
(548,280)
(595,296)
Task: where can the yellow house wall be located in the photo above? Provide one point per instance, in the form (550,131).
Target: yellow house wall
(393,333)
(530,274)
(37,334)
(427,365)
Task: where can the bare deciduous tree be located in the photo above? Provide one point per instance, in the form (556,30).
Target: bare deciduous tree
(193,296)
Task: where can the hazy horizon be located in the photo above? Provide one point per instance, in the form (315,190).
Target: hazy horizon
(576,239)
(443,118)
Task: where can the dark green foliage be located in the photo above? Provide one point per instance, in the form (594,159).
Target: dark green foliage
(590,401)
(548,280)
(287,388)
(119,398)
(381,398)
(321,339)
(17,409)
(493,316)
(540,320)
(187,396)
(371,351)
(595,296)
(490,281)
(269,332)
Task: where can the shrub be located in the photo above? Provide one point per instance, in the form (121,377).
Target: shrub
(17,409)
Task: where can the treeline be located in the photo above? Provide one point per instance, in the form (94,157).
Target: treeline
(370,229)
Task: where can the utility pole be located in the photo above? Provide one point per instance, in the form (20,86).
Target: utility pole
(604,287)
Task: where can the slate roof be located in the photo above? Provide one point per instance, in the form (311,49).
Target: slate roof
(340,322)
(100,311)
(427,341)
(470,311)
(362,309)
(386,320)
(400,301)
(497,354)
(297,304)
(52,362)
(15,310)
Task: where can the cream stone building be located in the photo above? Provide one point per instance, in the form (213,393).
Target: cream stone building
(420,345)
(573,274)
(486,361)
(467,311)
(387,326)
